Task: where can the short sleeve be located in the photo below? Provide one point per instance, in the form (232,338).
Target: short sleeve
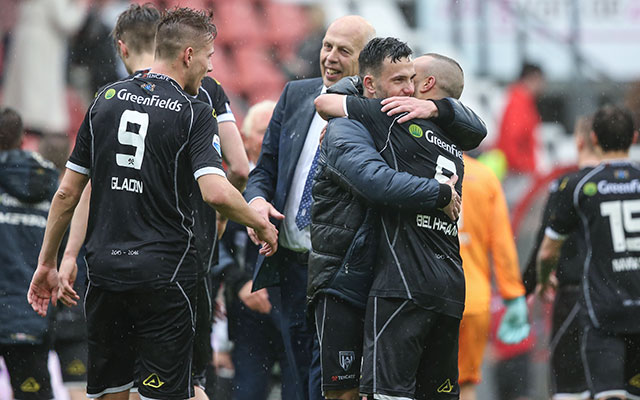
(367,112)
(204,144)
(563,218)
(80,159)
(218,100)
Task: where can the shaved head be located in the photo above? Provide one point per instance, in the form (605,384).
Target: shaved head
(341,46)
(447,75)
(355,27)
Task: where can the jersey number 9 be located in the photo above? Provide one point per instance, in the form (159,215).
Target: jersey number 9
(126,136)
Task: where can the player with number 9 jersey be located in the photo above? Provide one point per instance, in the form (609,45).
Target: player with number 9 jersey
(142,142)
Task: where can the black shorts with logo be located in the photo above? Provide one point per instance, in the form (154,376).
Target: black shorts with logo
(339,326)
(567,372)
(28,370)
(409,351)
(611,362)
(151,331)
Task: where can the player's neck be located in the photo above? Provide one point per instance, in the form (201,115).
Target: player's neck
(139,62)
(168,69)
(588,160)
(615,155)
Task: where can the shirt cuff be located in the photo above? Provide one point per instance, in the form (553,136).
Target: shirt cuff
(77,168)
(256,198)
(445,111)
(226,117)
(444,196)
(209,171)
(554,235)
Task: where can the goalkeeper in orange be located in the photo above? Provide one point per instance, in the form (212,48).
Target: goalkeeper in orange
(485,234)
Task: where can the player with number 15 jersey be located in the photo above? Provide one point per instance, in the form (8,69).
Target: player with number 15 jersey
(150,139)
(603,203)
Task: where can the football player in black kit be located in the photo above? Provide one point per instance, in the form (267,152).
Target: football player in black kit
(568,381)
(143,141)
(602,204)
(134,37)
(417,298)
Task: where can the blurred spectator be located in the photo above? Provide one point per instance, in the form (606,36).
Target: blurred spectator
(521,119)
(7,20)
(306,63)
(27,183)
(92,49)
(35,83)
(632,102)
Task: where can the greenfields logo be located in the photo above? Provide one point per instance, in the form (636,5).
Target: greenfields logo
(590,189)
(415,131)
(109,94)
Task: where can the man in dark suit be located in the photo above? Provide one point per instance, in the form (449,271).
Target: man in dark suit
(280,187)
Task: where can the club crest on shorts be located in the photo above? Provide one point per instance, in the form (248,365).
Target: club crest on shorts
(346,359)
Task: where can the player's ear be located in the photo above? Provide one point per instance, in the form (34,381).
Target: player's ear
(368,84)
(187,56)
(123,49)
(428,84)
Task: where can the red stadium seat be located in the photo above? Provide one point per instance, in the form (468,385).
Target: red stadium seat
(286,23)
(257,71)
(238,23)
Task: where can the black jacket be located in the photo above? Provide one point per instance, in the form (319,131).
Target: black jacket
(353,180)
(27,184)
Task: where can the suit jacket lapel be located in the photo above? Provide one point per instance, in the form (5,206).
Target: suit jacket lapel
(305,113)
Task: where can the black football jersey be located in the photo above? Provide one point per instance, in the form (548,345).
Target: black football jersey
(142,142)
(419,256)
(603,205)
(205,229)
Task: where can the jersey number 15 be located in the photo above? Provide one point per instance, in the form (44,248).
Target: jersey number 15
(621,222)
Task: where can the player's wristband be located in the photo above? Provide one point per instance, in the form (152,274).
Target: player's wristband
(444,196)
(445,111)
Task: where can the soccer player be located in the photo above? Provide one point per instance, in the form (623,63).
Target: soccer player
(568,380)
(417,297)
(134,36)
(143,141)
(602,205)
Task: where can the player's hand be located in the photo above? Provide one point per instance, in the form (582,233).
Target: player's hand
(66,279)
(256,301)
(265,209)
(43,287)
(268,239)
(324,131)
(547,291)
(415,108)
(455,204)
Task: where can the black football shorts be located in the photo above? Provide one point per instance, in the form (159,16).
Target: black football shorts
(28,370)
(339,326)
(409,351)
(154,328)
(611,362)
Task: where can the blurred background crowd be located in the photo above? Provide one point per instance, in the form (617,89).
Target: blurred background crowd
(531,68)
